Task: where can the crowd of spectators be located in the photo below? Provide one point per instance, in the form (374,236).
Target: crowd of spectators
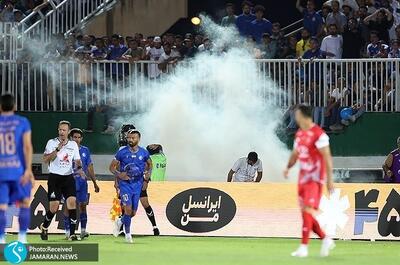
(341,29)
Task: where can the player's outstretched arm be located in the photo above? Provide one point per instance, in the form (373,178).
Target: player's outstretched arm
(326,154)
(292,161)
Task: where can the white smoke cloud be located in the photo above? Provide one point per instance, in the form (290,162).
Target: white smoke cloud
(214,110)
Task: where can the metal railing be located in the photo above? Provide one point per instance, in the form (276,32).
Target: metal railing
(73,86)
(10,43)
(61,17)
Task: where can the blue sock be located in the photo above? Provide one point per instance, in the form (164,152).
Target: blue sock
(3,221)
(67,223)
(24,219)
(83,217)
(126,220)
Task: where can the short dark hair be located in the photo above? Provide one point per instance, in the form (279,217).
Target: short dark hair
(332,25)
(7,102)
(75,130)
(374,32)
(65,122)
(305,110)
(252,156)
(134,131)
(230,5)
(247,3)
(259,8)
(314,39)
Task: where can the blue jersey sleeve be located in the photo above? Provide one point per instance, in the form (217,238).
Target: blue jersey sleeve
(146,155)
(89,157)
(118,155)
(26,125)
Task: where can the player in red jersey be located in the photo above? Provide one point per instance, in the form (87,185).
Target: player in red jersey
(311,148)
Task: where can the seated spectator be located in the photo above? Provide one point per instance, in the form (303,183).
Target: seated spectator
(391,167)
(353,41)
(336,17)
(134,52)
(332,112)
(116,49)
(260,25)
(381,21)
(86,47)
(375,48)
(268,47)
(313,21)
(243,21)
(303,44)
(230,18)
(394,49)
(99,51)
(357,111)
(333,43)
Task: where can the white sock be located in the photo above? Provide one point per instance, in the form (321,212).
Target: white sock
(22,238)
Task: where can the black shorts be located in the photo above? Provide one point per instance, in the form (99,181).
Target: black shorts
(143,193)
(59,186)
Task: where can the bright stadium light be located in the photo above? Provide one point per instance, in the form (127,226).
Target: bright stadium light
(196,21)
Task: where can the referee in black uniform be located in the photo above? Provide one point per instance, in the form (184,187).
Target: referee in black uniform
(60,154)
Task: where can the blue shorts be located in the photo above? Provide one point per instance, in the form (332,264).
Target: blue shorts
(129,192)
(13,191)
(81,190)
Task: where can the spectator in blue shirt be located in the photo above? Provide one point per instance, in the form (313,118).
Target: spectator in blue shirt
(99,51)
(260,25)
(314,52)
(313,22)
(375,47)
(243,21)
(116,49)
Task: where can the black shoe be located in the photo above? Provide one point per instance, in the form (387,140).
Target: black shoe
(43,233)
(74,238)
(156,232)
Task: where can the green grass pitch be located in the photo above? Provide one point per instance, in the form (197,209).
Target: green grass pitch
(165,250)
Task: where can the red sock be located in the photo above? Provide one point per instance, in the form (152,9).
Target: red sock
(317,229)
(307,226)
